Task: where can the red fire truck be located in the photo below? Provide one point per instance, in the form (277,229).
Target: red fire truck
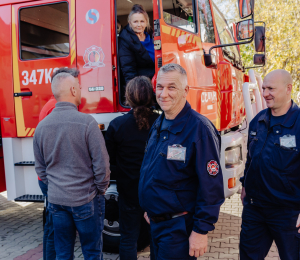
(38,37)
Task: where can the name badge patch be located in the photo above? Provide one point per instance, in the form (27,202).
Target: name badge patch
(176,152)
(212,168)
(288,141)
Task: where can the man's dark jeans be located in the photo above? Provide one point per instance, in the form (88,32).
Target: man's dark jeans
(88,220)
(131,219)
(48,239)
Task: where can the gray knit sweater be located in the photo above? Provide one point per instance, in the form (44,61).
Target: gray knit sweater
(70,156)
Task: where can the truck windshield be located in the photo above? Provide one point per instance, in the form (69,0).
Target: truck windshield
(222,23)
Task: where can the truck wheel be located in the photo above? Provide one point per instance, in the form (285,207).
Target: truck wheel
(111,233)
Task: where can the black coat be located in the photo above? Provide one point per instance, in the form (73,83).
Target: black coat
(126,144)
(134,58)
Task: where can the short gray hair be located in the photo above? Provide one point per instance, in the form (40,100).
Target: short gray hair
(73,71)
(56,86)
(173,67)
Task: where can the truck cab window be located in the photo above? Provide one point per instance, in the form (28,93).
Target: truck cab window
(44,31)
(180,13)
(225,33)
(206,22)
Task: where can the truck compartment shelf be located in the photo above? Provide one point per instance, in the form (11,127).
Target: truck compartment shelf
(31,198)
(25,163)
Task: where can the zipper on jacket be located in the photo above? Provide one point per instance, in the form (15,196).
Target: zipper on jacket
(259,156)
(162,154)
(254,139)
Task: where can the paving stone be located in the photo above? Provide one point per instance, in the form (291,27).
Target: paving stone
(21,233)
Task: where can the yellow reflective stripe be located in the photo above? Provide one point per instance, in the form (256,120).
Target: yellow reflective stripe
(31,132)
(72,33)
(21,132)
(26,131)
(166,29)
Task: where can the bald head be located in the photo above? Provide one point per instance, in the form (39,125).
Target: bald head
(280,75)
(66,88)
(277,90)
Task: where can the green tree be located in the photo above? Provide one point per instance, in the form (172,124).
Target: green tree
(282,38)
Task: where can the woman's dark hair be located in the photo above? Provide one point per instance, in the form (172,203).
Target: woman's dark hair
(139,95)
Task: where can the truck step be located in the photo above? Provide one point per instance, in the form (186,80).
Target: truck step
(31,198)
(25,163)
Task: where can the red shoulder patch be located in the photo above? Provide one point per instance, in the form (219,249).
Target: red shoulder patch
(212,168)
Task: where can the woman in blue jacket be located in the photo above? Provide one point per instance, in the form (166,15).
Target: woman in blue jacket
(136,48)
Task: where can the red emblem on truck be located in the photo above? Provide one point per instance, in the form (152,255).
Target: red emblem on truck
(212,168)
(93,57)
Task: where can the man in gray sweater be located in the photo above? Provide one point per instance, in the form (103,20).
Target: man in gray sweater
(71,158)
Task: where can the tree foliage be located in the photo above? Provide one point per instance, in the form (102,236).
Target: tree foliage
(282,37)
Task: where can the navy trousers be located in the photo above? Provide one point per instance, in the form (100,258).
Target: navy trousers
(263,225)
(171,238)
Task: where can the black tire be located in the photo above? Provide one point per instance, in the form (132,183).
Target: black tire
(111,243)
(111,234)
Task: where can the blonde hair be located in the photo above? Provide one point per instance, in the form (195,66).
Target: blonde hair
(138,9)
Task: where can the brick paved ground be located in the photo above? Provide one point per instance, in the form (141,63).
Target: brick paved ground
(21,233)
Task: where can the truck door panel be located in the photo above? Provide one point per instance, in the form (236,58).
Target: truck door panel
(183,43)
(94,52)
(7,110)
(231,79)
(40,45)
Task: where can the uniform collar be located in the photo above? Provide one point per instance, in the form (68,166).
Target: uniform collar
(290,116)
(178,123)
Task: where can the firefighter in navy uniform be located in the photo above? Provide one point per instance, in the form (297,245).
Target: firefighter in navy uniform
(271,185)
(181,183)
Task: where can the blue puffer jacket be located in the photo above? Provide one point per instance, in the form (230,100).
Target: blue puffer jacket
(134,58)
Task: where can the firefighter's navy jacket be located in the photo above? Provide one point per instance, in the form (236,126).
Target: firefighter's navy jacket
(194,185)
(272,173)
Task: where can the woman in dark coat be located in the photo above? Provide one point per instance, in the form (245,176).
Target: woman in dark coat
(136,48)
(125,140)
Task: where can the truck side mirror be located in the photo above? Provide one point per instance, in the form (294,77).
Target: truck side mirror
(210,60)
(244,30)
(259,39)
(246,8)
(259,59)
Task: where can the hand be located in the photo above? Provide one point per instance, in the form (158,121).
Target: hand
(147,218)
(198,244)
(298,223)
(243,195)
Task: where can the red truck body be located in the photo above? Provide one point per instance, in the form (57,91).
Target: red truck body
(38,37)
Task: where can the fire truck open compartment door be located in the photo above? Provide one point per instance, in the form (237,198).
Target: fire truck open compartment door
(94,51)
(43,39)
